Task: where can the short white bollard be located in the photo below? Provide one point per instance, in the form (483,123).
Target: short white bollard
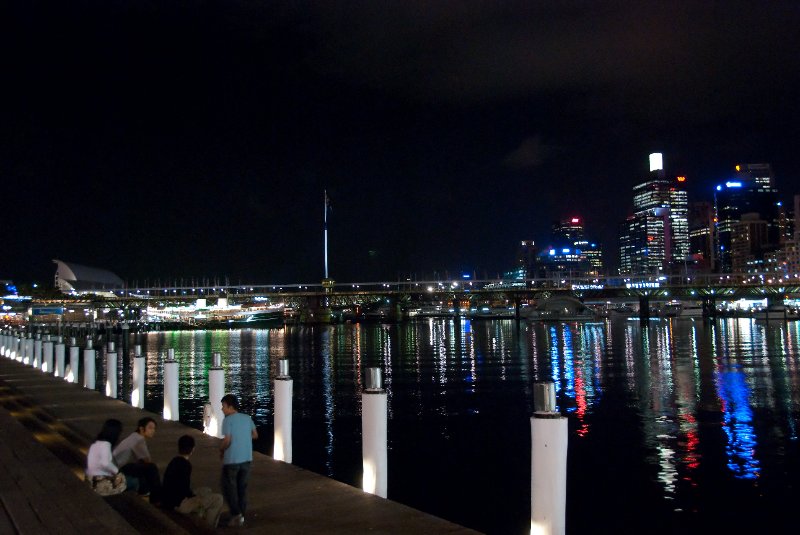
(37,352)
(216,389)
(548,463)
(3,342)
(137,394)
(47,355)
(111,371)
(89,374)
(284,385)
(26,357)
(29,349)
(59,349)
(374,413)
(171,386)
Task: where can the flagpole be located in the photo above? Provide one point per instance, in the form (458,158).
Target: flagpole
(325,219)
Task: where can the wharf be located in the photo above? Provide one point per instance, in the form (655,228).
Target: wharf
(39,412)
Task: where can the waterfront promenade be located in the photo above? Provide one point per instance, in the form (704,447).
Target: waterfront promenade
(63,418)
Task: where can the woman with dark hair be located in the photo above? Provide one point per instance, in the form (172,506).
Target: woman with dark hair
(101,471)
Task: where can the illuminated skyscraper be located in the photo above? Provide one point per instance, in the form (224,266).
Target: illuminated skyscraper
(752,190)
(656,237)
(571,251)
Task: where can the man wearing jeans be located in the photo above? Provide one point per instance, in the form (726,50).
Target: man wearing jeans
(238,432)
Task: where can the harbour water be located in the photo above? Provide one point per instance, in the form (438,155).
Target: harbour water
(676,426)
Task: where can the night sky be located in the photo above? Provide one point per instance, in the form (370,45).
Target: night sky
(195,138)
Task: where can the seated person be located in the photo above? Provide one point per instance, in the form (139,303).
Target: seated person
(177,488)
(99,461)
(133,458)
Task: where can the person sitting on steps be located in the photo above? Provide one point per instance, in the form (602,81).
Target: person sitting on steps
(177,489)
(133,458)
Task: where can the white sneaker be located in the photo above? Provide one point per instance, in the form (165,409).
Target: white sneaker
(236,521)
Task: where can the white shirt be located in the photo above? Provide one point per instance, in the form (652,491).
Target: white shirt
(99,461)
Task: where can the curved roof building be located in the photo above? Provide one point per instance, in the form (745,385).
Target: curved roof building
(77,278)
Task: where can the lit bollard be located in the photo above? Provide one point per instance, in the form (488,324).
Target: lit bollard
(27,349)
(14,352)
(47,355)
(284,385)
(89,373)
(374,413)
(216,389)
(59,350)
(137,394)
(3,342)
(37,352)
(111,371)
(548,463)
(74,357)
(171,386)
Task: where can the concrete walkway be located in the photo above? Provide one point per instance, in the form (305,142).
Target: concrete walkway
(283,498)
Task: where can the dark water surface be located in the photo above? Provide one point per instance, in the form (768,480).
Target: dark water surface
(679,426)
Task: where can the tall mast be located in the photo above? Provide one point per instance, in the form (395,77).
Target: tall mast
(325,227)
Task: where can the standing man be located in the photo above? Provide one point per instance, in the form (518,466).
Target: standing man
(238,432)
(133,459)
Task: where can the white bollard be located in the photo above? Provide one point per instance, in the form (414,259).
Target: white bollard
(137,394)
(37,352)
(548,463)
(26,357)
(111,372)
(3,342)
(284,385)
(171,387)
(374,413)
(29,350)
(89,374)
(59,349)
(47,356)
(216,389)
(74,358)
(15,350)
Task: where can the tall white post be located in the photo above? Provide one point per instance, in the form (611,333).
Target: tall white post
(374,413)
(37,352)
(137,394)
(171,386)
(59,347)
(29,349)
(74,358)
(3,342)
(89,374)
(284,385)
(111,371)
(16,347)
(216,389)
(47,355)
(548,463)
(26,357)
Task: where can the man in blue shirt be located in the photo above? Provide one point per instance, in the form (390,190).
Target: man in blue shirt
(238,432)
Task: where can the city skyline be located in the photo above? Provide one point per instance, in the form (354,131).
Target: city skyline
(196,140)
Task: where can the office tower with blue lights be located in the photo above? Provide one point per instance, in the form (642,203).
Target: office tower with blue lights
(571,252)
(748,216)
(655,239)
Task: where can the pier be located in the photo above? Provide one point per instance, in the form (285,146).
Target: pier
(46,456)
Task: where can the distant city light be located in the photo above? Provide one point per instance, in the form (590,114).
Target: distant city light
(719,188)
(552,252)
(565,250)
(576,220)
(681,179)
(733,184)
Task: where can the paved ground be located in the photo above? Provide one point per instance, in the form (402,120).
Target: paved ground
(284,499)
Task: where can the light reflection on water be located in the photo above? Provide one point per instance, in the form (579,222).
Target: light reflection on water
(666,417)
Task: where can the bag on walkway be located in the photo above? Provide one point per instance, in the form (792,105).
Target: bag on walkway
(108,485)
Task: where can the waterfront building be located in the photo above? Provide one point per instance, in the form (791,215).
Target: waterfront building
(702,251)
(655,239)
(571,251)
(752,190)
(75,278)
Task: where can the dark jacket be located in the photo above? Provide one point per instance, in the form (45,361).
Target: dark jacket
(177,482)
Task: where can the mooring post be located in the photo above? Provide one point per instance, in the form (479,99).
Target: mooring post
(284,386)
(216,389)
(89,373)
(171,386)
(548,463)
(111,371)
(59,349)
(37,352)
(374,413)
(47,355)
(74,358)
(137,393)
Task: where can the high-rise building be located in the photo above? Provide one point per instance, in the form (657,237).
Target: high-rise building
(656,237)
(752,190)
(701,236)
(571,251)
